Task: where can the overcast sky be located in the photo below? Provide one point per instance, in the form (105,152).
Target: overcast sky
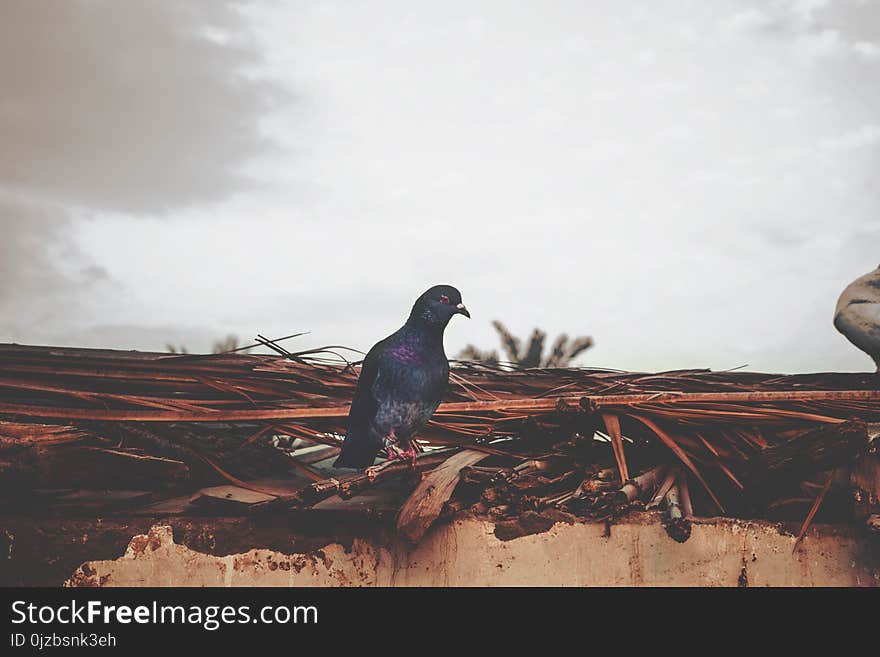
(690,183)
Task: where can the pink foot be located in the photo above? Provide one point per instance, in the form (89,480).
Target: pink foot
(410,454)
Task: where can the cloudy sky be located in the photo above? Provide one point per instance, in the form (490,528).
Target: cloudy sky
(690,183)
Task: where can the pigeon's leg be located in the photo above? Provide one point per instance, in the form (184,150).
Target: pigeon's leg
(391,451)
(409,453)
(392,455)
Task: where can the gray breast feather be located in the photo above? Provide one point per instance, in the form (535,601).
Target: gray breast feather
(407,398)
(405,419)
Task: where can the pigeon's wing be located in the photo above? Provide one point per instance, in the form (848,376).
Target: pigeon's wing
(362,442)
(408,397)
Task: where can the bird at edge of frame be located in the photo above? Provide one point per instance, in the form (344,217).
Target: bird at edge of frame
(402,381)
(857,314)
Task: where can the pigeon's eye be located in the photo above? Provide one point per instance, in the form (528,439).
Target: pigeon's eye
(444,299)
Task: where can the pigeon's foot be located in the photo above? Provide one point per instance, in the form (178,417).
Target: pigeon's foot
(410,454)
(394,455)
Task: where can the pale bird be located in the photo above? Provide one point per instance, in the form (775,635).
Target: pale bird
(857,315)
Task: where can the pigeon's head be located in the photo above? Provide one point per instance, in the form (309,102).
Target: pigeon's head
(437,306)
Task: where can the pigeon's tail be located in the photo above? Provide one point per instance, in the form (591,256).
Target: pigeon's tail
(357,452)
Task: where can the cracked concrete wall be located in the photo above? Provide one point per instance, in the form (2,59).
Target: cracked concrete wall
(467,552)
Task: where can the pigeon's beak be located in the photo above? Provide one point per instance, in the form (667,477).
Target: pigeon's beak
(460,309)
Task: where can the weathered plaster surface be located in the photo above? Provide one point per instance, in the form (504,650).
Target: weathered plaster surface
(720,552)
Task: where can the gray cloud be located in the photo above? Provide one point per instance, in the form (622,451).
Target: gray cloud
(128,106)
(42,274)
(147,338)
(691,183)
(136,107)
(22,260)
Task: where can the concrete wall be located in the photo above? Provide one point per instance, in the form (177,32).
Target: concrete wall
(720,552)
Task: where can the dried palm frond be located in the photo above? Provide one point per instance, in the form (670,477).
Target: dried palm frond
(223,414)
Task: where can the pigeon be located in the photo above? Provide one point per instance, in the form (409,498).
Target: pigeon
(403,378)
(857,315)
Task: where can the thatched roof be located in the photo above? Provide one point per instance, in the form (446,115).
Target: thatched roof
(539,438)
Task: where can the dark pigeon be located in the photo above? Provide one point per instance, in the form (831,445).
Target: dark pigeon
(402,381)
